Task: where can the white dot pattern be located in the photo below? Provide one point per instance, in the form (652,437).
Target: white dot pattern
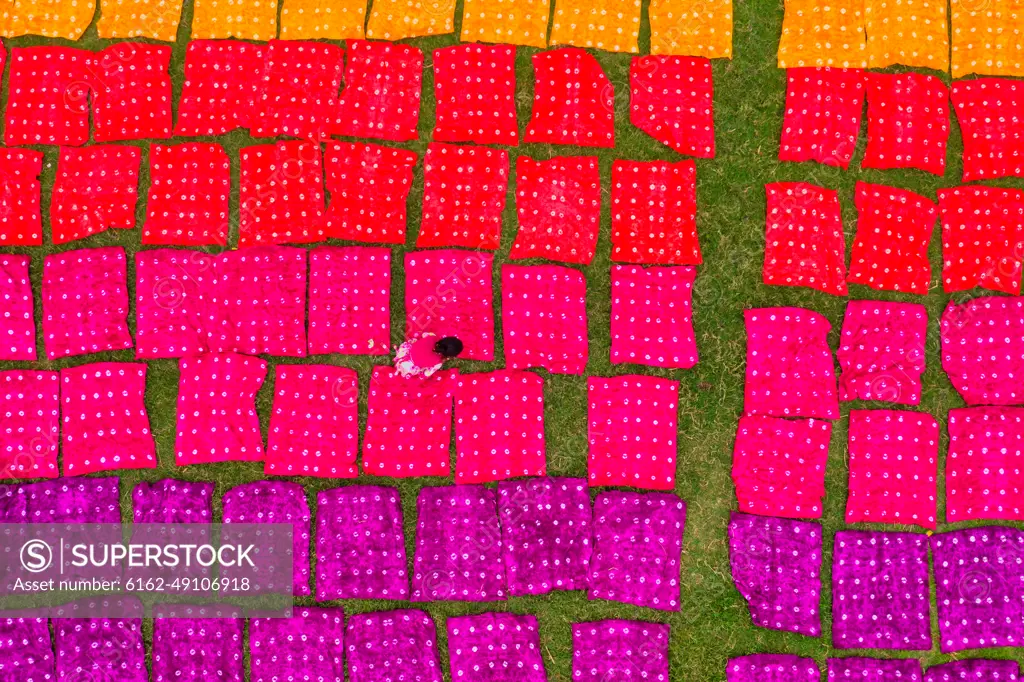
(991,116)
(612,25)
(20,213)
(308,646)
(63,500)
(17,311)
(189,190)
(96,188)
(982,352)
(823,114)
(544,318)
(672,100)
(222,79)
(495,647)
(392,645)
(573,100)
(620,650)
(769,667)
(188,649)
(654,213)
(881,351)
(475,94)
(298,95)
(987,39)
(982,238)
(652,316)
(26,650)
(100,648)
(48,96)
(281,194)
(908,122)
(172,307)
(350,300)
(904,670)
(978,670)
(131,92)
(381,98)
(172,501)
(985,464)
(30,411)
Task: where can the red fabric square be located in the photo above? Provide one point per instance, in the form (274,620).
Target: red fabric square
(894,228)
(823,112)
(17,310)
(350,300)
(29,434)
(573,100)
(804,239)
(21,222)
(369,186)
(131,92)
(314,425)
(408,424)
(778,466)
(475,93)
(559,207)
(381,98)
(259,301)
(222,80)
(672,100)
(449,293)
(173,311)
(281,194)
(298,95)
(991,116)
(85,302)
(985,464)
(982,238)
(893,468)
(983,349)
(908,122)
(881,351)
(654,213)
(189,190)
(790,372)
(464,192)
(96,189)
(632,431)
(105,425)
(217,418)
(544,318)
(652,316)
(48,96)
(499,426)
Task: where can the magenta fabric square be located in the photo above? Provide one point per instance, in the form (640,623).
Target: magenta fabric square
(881,351)
(776,567)
(17,316)
(29,424)
(298,94)
(173,311)
(544,318)
(974,670)
(131,92)
(620,650)
(314,424)
(475,92)
(85,302)
(652,316)
(63,500)
(381,97)
(874,670)
(217,419)
(638,541)
(985,464)
(790,372)
(105,425)
(360,544)
(983,349)
(172,501)
(101,649)
(307,646)
(573,100)
(495,647)
(772,668)
(350,300)
(545,534)
(880,591)
(26,651)
(392,646)
(449,293)
(196,648)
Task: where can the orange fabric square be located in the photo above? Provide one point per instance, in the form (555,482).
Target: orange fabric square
(612,25)
(908,32)
(139,19)
(988,37)
(823,34)
(516,22)
(50,18)
(692,28)
(326,19)
(242,19)
(399,19)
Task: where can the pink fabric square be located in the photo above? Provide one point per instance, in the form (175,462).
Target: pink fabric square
(30,411)
(499,426)
(381,98)
(778,466)
(495,647)
(558,203)
(985,464)
(475,94)
(671,99)
(17,309)
(105,425)
(790,372)
(823,113)
(222,78)
(96,189)
(544,318)
(21,221)
(983,349)
(991,116)
(173,314)
(298,94)
(893,468)
(48,96)
(350,300)
(882,351)
(281,194)
(408,424)
(573,100)
(131,92)
(805,246)
(908,122)
(449,293)
(654,213)
(85,302)
(189,191)
(464,192)
(982,238)
(652,316)
(217,418)
(258,301)
(314,424)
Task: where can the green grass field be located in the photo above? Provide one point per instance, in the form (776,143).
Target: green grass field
(749,96)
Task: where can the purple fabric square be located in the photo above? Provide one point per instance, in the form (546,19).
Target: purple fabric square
(101,649)
(360,544)
(608,650)
(62,500)
(495,647)
(977,670)
(880,591)
(979,585)
(458,545)
(772,668)
(172,501)
(638,541)
(874,670)
(17,316)
(26,654)
(545,534)
(172,303)
(776,566)
(304,648)
(198,648)
(29,424)
(392,646)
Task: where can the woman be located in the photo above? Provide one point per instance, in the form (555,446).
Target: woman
(425,353)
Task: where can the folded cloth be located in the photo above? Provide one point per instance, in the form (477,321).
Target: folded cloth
(975,670)
(558,203)
(654,213)
(190,647)
(652,316)
(772,668)
(495,21)
(398,20)
(805,246)
(96,189)
(991,116)
(222,78)
(908,122)
(816,34)
(131,92)
(172,501)
(600,24)
(101,648)
(174,312)
(189,190)
(298,94)
(369,185)
(21,222)
(26,651)
(281,194)
(874,669)
(982,238)
(48,96)
(381,97)
(18,322)
(349,300)
(984,473)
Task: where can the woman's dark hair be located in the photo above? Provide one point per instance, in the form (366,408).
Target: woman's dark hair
(448,347)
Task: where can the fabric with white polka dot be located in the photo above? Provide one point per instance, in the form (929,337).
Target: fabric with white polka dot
(131,92)
(823,34)
(381,98)
(823,112)
(700,28)
(573,100)
(519,22)
(672,100)
(654,213)
(882,351)
(983,351)
(307,646)
(976,670)
(369,186)
(281,194)
(29,433)
(26,651)
(172,303)
(222,82)
(189,191)
(874,669)
(805,245)
(349,300)
(987,39)
(464,191)
(991,116)
(495,647)
(612,25)
(20,198)
(475,94)
(187,649)
(982,238)
(620,650)
(298,95)
(984,477)
(96,188)
(652,316)
(908,122)
(392,645)
(772,668)
(17,315)
(63,500)
(101,648)
(48,96)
